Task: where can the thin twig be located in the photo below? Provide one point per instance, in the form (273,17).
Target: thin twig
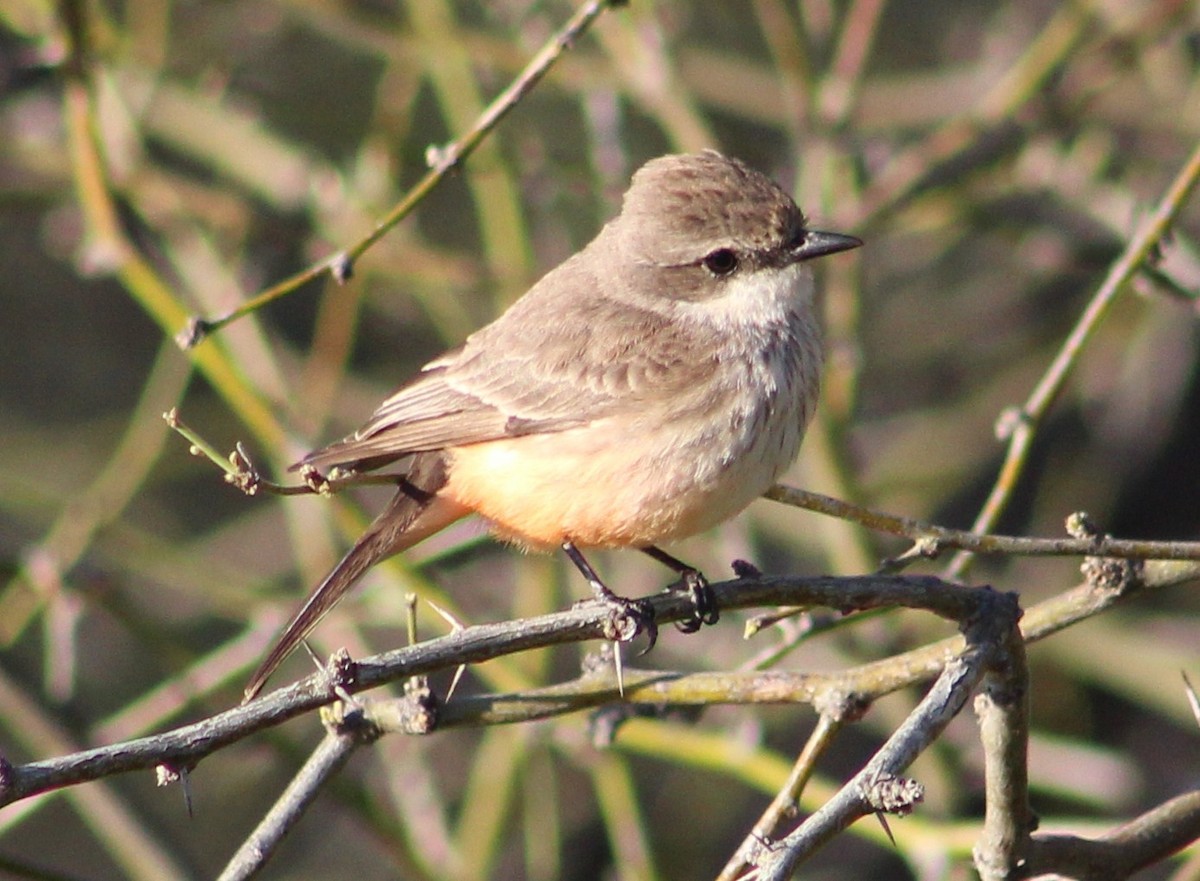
(242,472)
(931,540)
(341,740)
(783,806)
(1019,425)
(442,160)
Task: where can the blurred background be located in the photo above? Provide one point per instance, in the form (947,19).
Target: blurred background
(996,157)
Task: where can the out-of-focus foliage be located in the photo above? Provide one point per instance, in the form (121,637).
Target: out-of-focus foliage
(995,157)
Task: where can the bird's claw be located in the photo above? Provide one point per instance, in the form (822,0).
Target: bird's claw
(704,602)
(627,618)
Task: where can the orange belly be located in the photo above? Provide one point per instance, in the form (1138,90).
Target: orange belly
(595,488)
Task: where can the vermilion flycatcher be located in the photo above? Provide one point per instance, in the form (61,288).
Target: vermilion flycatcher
(645,390)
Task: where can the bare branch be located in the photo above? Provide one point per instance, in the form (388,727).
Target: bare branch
(987,636)
(441,160)
(185,746)
(1151,837)
(1003,710)
(345,732)
(961,661)
(1019,425)
(783,806)
(931,540)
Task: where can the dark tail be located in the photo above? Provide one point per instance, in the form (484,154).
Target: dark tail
(414,513)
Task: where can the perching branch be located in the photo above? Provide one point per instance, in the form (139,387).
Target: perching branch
(182,748)
(960,661)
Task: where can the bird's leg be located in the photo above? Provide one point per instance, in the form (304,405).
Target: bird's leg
(627,618)
(704,604)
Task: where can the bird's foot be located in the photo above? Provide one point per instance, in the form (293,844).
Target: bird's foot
(704,602)
(627,618)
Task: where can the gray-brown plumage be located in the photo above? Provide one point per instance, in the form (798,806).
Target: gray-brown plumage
(648,388)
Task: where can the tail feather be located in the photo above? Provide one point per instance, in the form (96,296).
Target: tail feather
(414,513)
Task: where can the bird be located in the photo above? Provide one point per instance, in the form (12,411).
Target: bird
(645,390)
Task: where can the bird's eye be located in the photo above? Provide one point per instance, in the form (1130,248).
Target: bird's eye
(721,261)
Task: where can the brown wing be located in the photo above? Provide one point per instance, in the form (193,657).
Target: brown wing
(424,415)
(565,354)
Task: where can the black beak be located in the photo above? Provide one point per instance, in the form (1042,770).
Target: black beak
(818,244)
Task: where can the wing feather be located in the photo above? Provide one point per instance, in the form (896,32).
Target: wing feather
(530,371)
